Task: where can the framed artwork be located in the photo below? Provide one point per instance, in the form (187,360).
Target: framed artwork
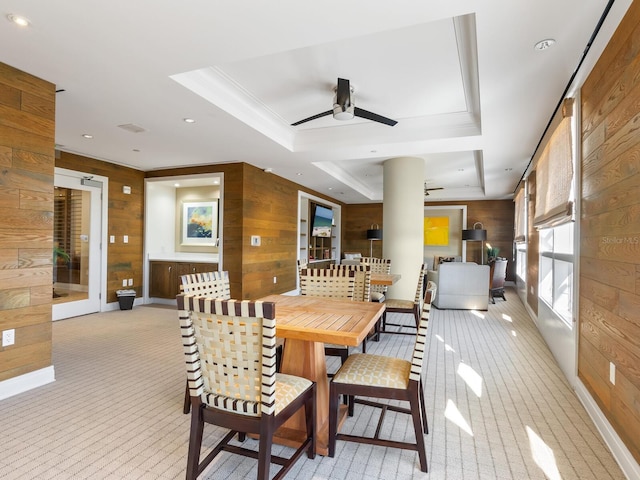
(200,223)
(436,231)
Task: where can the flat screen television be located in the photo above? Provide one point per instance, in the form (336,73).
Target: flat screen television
(322,221)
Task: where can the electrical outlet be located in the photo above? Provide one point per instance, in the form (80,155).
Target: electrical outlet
(125,239)
(112,239)
(255,241)
(124,282)
(8,337)
(612,373)
(130,282)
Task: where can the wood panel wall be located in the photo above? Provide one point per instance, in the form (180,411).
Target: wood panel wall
(497,216)
(125,217)
(27,127)
(256,203)
(533,246)
(356,220)
(609,315)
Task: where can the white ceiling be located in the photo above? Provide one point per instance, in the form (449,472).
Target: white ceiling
(462,78)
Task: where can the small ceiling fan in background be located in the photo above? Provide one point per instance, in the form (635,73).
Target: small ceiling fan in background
(344,107)
(427,190)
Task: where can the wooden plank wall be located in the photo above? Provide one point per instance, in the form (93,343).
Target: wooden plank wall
(533,246)
(256,203)
(497,217)
(609,315)
(125,217)
(27,126)
(356,220)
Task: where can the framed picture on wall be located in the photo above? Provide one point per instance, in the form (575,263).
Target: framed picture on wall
(436,231)
(200,223)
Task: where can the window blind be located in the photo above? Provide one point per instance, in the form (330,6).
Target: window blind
(520,205)
(554,175)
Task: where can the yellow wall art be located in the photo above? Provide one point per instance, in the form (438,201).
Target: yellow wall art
(436,231)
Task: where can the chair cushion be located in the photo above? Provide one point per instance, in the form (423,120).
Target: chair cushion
(377,297)
(374,370)
(397,303)
(288,388)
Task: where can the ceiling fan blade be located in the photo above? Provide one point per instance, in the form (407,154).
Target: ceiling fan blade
(434,188)
(343,93)
(358,112)
(319,115)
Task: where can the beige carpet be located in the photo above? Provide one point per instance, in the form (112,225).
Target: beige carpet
(498,408)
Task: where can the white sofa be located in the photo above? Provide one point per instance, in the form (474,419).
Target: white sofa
(462,286)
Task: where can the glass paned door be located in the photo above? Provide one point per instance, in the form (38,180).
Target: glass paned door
(76,247)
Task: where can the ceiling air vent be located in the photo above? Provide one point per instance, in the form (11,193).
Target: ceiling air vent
(130,127)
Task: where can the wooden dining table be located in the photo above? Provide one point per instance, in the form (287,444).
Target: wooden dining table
(307,323)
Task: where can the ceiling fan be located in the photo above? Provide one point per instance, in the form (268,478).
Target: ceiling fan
(427,190)
(344,107)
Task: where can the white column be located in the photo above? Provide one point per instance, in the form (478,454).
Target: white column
(403,222)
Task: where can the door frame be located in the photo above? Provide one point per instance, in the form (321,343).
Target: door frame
(104,204)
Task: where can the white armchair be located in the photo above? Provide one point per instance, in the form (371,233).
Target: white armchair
(462,286)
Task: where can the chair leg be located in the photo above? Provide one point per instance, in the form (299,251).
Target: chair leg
(186,408)
(417,427)
(333,418)
(264,453)
(195,442)
(310,413)
(423,410)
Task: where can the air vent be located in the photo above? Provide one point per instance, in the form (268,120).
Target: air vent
(130,127)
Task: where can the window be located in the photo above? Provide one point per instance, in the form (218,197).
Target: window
(556,270)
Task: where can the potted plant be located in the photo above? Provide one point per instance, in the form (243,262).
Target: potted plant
(492,253)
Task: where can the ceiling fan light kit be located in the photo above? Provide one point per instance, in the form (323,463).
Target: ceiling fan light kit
(344,107)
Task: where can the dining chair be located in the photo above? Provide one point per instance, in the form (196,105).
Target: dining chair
(361,292)
(413,307)
(207,284)
(378,265)
(498,276)
(229,348)
(338,283)
(376,377)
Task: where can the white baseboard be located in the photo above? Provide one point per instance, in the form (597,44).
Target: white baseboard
(618,449)
(28,381)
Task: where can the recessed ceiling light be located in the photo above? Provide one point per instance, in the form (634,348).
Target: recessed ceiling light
(330,188)
(18,20)
(461,169)
(87,135)
(176,184)
(508,169)
(189,120)
(137,150)
(299,174)
(544,44)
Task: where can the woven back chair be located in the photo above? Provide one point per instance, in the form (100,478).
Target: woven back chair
(321,282)
(378,265)
(207,284)
(413,307)
(229,349)
(338,283)
(378,377)
(361,292)
(362,280)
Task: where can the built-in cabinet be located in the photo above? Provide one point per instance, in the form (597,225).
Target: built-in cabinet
(164,277)
(318,251)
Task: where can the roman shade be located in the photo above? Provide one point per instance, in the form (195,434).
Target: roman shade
(554,173)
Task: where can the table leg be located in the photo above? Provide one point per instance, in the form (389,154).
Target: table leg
(306,359)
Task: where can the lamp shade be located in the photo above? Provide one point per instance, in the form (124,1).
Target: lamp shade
(374,234)
(474,234)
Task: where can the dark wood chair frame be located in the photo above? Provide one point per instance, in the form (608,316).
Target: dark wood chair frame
(264,425)
(413,310)
(414,394)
